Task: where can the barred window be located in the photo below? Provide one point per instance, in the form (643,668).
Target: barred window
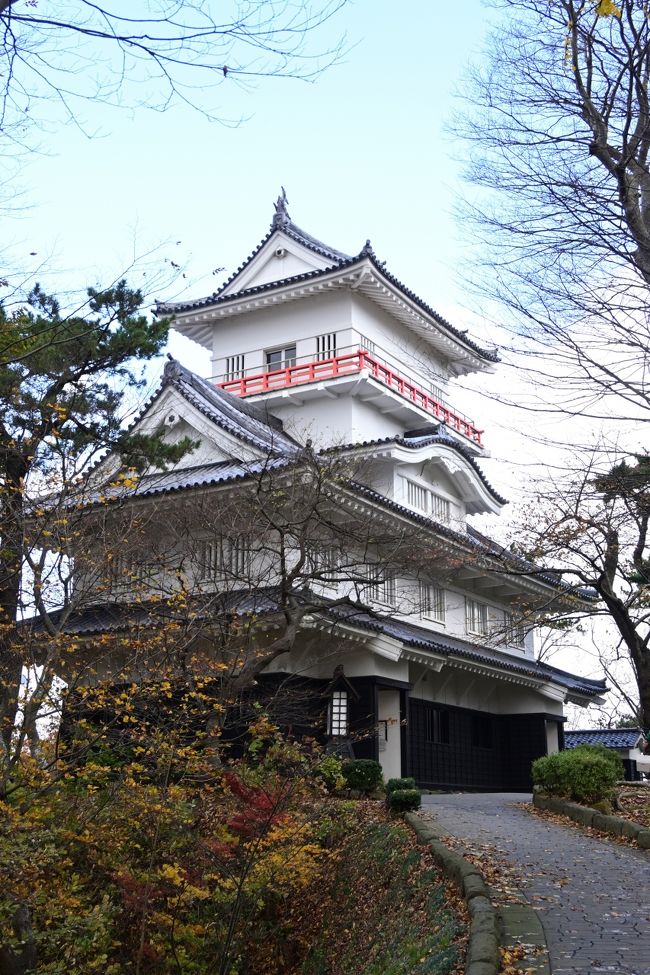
(224,556)
(432,602)
(326,345)
(424,499)
(515,633)
(437,726)
(125,571)
(381,587)
(476,617)
(235,367)
(326,562)
(417,496)
(440,509)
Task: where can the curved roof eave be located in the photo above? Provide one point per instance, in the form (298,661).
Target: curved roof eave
(340,263)
(417,443)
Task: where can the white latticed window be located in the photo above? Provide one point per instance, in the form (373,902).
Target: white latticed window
(381,587)
(235,367)
(432,602)
(476,617)
(337,714)
(367,344)
(424,499)
(326,346)
(515,633)
(224,556)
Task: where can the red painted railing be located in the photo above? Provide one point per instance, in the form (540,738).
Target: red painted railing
(348,365)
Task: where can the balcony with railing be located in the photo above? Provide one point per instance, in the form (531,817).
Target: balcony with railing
(285,370)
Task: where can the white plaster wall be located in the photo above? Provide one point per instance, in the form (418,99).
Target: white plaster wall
(459,688)
(207,451)
(552,738)
(642,760)
(329,421)
(399,342)
(287,323)
(389,748)
(317,656)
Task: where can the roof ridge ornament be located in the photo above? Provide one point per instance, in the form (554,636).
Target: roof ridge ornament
(173,369)
(281,216)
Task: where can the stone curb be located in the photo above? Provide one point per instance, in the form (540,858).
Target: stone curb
(483,957)
(614,825)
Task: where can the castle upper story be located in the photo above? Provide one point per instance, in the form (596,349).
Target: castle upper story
(332,344)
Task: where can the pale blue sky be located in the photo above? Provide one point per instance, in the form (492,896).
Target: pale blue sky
(362,153)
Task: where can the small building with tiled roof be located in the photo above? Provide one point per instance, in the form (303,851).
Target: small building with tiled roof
(627,742)
(416,632)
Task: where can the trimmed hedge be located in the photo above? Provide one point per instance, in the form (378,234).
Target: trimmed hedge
(363,774)
(404,800)
(585,774)
(394,784)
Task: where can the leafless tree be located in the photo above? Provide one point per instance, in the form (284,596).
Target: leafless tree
(152,53)
(558,123)
(593,528)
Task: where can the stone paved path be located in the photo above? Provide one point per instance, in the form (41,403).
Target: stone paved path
(592,895)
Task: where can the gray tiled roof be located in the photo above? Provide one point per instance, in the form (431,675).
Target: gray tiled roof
(246,421)
(118,617)
(340,261)
(203,475)
(609,737)
(424,639)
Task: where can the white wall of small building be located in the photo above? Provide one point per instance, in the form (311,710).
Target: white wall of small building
(297,322)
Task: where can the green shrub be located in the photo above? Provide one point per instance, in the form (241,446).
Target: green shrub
(328,770)
(404,800)
(394,784)
(583,774)
(607,753)
(548,774)
(363,774)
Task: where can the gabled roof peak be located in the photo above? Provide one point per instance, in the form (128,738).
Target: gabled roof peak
(249,422)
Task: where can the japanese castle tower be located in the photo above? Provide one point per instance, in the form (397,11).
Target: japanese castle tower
(309,345)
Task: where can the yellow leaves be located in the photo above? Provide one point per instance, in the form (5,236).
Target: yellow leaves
(173,874)
(607,8)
